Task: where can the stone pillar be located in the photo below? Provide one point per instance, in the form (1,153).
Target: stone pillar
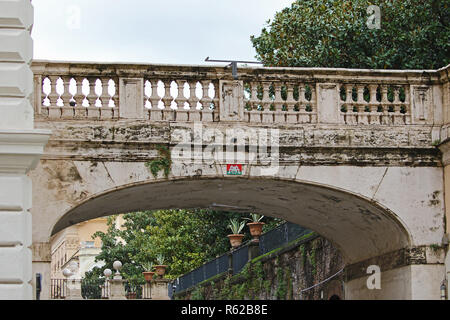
(117,289)
(131,96)
(20,148)
(73,289)
(253,250)
(445,149)
(231,100)
(328,103)
(160,289)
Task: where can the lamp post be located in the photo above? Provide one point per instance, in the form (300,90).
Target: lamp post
(443,290)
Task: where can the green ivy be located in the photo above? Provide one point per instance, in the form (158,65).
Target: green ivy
(163,162)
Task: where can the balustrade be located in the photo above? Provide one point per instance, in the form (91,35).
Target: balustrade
(210,94)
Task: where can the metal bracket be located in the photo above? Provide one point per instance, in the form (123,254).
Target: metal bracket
(233,64)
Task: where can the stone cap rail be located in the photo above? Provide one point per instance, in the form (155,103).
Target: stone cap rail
(156,92)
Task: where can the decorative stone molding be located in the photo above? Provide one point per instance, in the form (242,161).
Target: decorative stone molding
(20,150)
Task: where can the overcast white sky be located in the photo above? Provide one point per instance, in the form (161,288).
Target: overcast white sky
(150,31)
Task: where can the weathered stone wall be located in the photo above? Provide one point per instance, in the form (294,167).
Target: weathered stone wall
(279,275)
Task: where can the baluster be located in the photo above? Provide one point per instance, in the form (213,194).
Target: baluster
(156,113)
(255,115)
(115,97)
(80,110)
(67,109)
(206,102)
(398,116)
(54,111)
(93,111)
(105,96)
(92,96)
(290,103)
(352,116)
(407,105)
(53,96)
(254,101)
(106,110)
(182,113)
(313,104)
(374,114)
(66,96)
(280,116)
(363,114)
(167,100)
(194,115)
(216,101)
(267,116)
(386,118)
(44,109)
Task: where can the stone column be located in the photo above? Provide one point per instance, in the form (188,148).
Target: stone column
(20,148)
(253,249)
(116,284)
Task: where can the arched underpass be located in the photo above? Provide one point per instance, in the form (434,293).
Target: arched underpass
(360,228)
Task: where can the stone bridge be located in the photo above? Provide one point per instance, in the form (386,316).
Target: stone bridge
(351,154)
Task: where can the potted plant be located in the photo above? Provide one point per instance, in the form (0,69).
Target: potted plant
(255,225)
(160,268)
(236,236)
(148,274)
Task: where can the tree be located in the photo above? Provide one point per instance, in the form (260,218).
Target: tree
(414,34)
(186,238)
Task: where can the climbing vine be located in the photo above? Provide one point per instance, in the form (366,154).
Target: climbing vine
(163,162)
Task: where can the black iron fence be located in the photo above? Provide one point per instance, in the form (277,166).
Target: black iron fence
(281,235)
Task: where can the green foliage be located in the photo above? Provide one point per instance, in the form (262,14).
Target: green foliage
(414,34)
(160,259)
(254,217)
(198,294)
(281,284)
(185,238)
(163,162)
(147,265)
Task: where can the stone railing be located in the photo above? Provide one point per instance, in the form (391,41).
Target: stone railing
(66,90)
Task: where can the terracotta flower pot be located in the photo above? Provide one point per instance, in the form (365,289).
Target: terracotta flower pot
(148,275)
(235,239)
(255,229)
(131,295)
(160,270)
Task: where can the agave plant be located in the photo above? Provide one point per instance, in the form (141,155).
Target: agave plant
(254,217)
(160,259)
(148,266)
(236,226)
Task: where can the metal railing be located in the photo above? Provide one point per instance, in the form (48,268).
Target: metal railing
(235,260)
(99,289)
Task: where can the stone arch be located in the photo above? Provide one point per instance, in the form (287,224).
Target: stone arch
(359,227)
